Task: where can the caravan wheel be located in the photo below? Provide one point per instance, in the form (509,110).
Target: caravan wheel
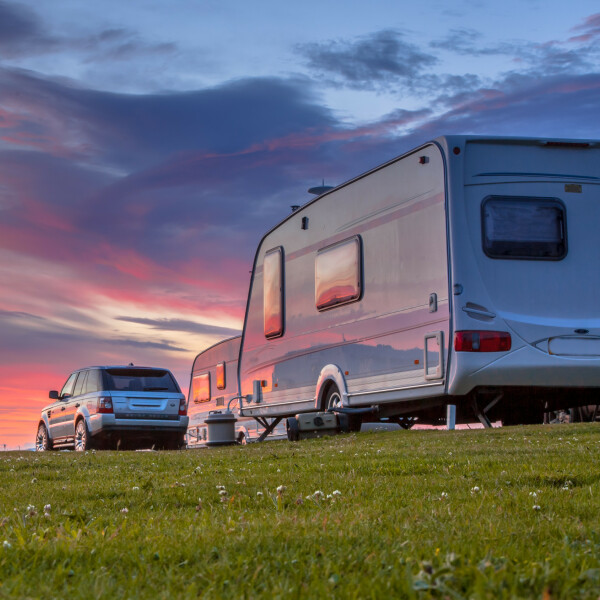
(333,399)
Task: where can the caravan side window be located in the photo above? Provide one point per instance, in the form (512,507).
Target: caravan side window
(221,381)
(526,228)
(201,388)
(338,274)
(273,292)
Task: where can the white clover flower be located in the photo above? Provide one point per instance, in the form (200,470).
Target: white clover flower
(533,494)
(222,492)
(34,480)
(279,470)
(135,488)
(536,507)
(6,544)
(336,493)
(329,497)
(259,494)
(318,494)
(444,494)
(30,508)
(125,510)
(475,490)
(47,508)
(220,487)
(281,489)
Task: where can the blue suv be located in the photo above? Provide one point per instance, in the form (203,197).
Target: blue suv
(119,406)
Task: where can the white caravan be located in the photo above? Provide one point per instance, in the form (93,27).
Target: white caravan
(465,272)
(213,385)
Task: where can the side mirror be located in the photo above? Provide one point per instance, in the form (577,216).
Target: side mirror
(53,395)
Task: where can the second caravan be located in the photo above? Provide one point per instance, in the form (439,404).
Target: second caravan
(213,389)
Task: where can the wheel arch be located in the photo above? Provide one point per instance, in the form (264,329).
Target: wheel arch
(330,375)
(44,421)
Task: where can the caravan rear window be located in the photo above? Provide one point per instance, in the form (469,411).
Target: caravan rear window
(338,274)
(526,228)
(273,293)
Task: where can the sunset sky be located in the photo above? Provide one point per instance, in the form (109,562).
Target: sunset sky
(146,146)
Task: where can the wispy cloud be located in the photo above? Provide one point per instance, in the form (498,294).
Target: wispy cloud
(379,59)
(23,33)
(182,325)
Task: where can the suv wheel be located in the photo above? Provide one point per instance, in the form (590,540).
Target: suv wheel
(82,437)
(42,441)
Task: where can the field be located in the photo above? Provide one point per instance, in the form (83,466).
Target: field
(502,513)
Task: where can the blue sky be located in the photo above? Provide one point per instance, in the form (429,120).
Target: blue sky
(145,147)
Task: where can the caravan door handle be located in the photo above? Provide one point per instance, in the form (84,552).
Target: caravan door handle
(63,408)
(481,313)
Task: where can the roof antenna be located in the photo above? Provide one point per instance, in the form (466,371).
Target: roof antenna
(320,189)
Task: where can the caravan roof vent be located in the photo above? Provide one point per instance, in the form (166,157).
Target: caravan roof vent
(320,189)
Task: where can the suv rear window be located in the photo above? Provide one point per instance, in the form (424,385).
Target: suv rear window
(520,227)
(140,380)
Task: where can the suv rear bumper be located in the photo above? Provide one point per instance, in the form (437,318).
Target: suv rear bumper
(100,424)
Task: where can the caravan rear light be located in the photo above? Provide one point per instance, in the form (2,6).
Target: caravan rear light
(182,407)
(104,405)
(482,341)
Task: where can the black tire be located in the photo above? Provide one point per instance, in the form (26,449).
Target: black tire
(83,439)
(43,443)
(333,399)
(293,431)
(174,442)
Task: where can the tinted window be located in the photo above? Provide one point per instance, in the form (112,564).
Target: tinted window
(532,228)
(221,381)
(338,274)
(80,383)
(201,388)
(140,380)
(93,382)
(67,389)
(273,293)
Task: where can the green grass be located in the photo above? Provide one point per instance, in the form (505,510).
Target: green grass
(421,514)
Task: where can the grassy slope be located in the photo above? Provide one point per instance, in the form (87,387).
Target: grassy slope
(408,523)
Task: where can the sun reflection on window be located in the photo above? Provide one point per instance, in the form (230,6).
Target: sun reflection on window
(273,293)
(338,274)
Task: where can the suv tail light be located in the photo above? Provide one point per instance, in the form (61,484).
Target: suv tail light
(182,407)
(482,341)
(104,405)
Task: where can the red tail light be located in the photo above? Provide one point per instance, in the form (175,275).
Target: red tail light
(104,405)
(182,407)
(482,341)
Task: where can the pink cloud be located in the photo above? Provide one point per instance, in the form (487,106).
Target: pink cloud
(590,28)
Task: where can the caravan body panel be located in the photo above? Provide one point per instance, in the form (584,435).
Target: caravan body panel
(394,218)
